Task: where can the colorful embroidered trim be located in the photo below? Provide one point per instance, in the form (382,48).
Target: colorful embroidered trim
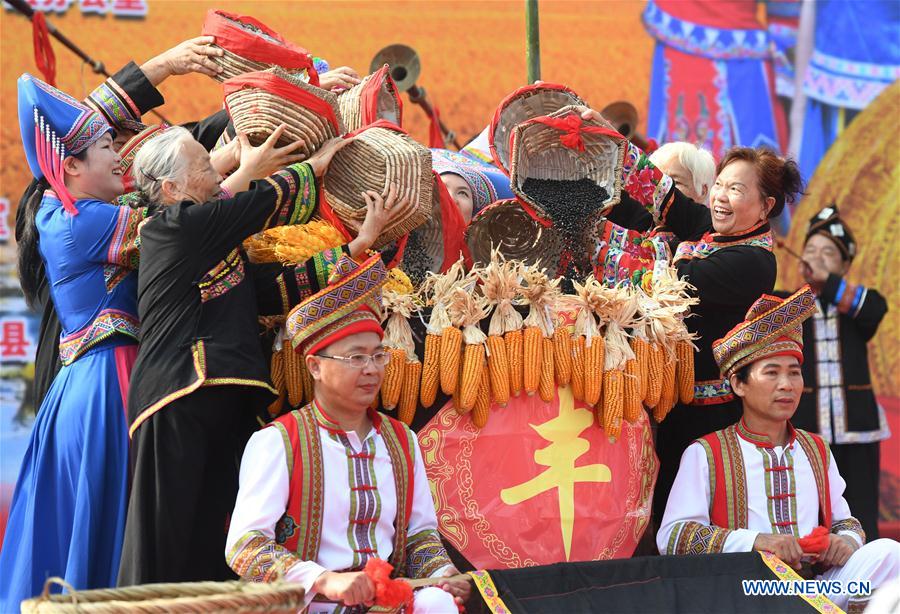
(705,41)
(222,277)
(108,323)
(820,602)
(489,593)
(116,106)
(712,392)
(768,319)
(710,245)
(257,558)
(695,538)
(646,184)
(295,195)
(124,248)
(425,554)
(850,525)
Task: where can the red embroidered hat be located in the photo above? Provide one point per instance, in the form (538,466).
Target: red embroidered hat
(350,304)
(773,327)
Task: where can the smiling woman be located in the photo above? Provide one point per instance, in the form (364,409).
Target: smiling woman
(725,252)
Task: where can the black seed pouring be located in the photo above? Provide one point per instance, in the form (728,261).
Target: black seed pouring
(571,205)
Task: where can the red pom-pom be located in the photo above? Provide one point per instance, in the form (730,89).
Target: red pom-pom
(388,592)
(816,542)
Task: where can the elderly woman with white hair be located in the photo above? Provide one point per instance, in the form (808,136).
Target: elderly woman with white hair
(200,375)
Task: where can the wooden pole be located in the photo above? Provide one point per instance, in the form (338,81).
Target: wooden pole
(533,41)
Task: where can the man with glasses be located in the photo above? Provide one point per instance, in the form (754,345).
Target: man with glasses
(331,485)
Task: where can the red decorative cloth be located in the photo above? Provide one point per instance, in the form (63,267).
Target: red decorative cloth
(240,41)
(573,128)
(44,57)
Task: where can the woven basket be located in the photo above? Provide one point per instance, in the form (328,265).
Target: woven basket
(523,104)
(183,598)
(507,226)
(258,112)
(375,97)
(376,158)
(236,34)
(537,152)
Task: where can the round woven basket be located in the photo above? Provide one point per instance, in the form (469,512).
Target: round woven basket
(232,63)
(182,598)
(376,158)
(507,226)
(523,104)
(258,112)
(375,97)
(538,153)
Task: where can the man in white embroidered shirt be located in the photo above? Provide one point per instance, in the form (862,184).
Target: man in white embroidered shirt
(765,485)
(333,484)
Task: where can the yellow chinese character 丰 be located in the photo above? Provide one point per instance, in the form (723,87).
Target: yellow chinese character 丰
(565,448)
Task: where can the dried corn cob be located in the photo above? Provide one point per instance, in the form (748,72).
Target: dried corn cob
(655,368)
(613,400)
(514,348)
(294,366)
(578,358)
(498,366)
(430,370)
(451,348)
(394,378)
(532,359)
(593,370)
(642,367)
(472,370)
(409,395)
(547,388)
(684,372)
(562,354)
(541,295)
(482,410)
(633,403)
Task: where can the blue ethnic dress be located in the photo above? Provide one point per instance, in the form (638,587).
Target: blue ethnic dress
(67,516)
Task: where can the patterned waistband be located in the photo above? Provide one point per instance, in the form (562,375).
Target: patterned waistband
(712,392)
(110,322)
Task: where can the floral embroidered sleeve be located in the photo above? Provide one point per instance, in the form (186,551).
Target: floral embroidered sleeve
(657,194)
(109,233)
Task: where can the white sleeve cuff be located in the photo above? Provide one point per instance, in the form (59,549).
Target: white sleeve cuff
(740,540)
(305,574)
(855,537)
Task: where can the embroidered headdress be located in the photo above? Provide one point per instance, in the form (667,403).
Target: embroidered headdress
(350,304)
(55,125)
(476,175)
(773,327)
(828,222)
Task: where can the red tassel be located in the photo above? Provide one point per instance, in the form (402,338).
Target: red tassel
(44,57)
(389,593)
(435,134)
(816,542)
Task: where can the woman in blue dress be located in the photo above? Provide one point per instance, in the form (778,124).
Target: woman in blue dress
(67,515)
